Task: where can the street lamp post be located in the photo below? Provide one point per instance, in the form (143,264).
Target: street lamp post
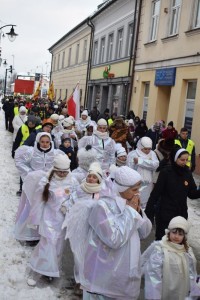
(11,35)
(5,81)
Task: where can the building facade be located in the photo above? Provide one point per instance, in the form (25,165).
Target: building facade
(167,71)
(70,60)
(109,82)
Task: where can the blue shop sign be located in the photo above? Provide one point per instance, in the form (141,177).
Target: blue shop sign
(165,76)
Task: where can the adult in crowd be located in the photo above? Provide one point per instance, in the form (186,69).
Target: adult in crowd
(47,126)
(145,162)
(19,120)
(170,132)
(131,115)
(116,225)
(169,197)
(102,143)
(112,119)
(184,142)
(120,133)
(155,133)
(94,114)
(6,108)
(140,131)
(105,115)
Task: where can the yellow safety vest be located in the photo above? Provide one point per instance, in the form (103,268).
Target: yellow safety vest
(189,149)
(16,110)
(110,121)
(25,133)
(38,127)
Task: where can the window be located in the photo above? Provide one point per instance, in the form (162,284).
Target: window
(115,100)
(175,15)
(77,53)
(69,56)
(102,50)
(146,99)
(154,19)
(95,53)
(63,60)
(130,36)
(190,102)
(110,46)
(84,50)
(58,65)
(197,14)
(119,43)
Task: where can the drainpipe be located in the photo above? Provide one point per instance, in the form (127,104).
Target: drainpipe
(135,51)
(91,25)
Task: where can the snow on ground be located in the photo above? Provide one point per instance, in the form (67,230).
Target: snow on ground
(14,256)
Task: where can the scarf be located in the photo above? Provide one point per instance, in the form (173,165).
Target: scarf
(176,285)
(145,173)
(101,135)
(90,188)
(68,131)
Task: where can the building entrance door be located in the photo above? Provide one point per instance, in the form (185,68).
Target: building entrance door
(163,100)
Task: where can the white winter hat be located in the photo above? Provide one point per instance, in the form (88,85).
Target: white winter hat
(67,122)
(144,142)
(61,163)
(121,152)
(102,122)
(125,178)
(86,156)
(41,134)
(96,169)
(71,117)
(55,117)
(130,121)
(179,222)
(61,118)
(84,113)
(22,109)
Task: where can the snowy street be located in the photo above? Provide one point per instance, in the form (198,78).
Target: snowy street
(14,256)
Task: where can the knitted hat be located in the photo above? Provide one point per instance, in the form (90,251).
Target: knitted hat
(170,124)
(125,178)
(102,122)
(179,222)
(95,169)
(55,117)
(41,134)
(32,119)
(71,117)
(84,113)
(61,163)
(121,152)
(22,109)
(67,122)
(61,118)
(47,122)
(86,156)
(144,142)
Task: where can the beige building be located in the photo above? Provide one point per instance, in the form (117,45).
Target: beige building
(167,70)
(70,61)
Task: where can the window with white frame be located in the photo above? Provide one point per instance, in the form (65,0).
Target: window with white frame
(119,43)
(110,47)
(102,50)
(63,60)
(130,36)
(154,20)
(95,52)
(69,56)
(77,53)
(146,99)
(196,14)
(190,102)
(58,65)
(175,15)
(84,50)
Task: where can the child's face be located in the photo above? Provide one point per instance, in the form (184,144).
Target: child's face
(67,144)
(146,150)
(122,158)
(62,174)
(176,237)
(92,178)
(44,142)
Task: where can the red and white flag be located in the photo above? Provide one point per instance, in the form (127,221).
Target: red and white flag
(73,103)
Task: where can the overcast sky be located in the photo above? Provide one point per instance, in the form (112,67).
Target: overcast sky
(40,24)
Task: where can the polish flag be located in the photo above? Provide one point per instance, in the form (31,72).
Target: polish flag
(73,103)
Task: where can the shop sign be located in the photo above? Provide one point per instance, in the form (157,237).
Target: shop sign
(165,77)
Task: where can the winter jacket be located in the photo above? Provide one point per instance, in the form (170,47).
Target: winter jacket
(71,154)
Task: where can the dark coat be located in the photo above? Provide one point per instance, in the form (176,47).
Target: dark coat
(71,154)
(169,196)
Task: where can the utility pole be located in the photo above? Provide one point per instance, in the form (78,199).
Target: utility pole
(5,82)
